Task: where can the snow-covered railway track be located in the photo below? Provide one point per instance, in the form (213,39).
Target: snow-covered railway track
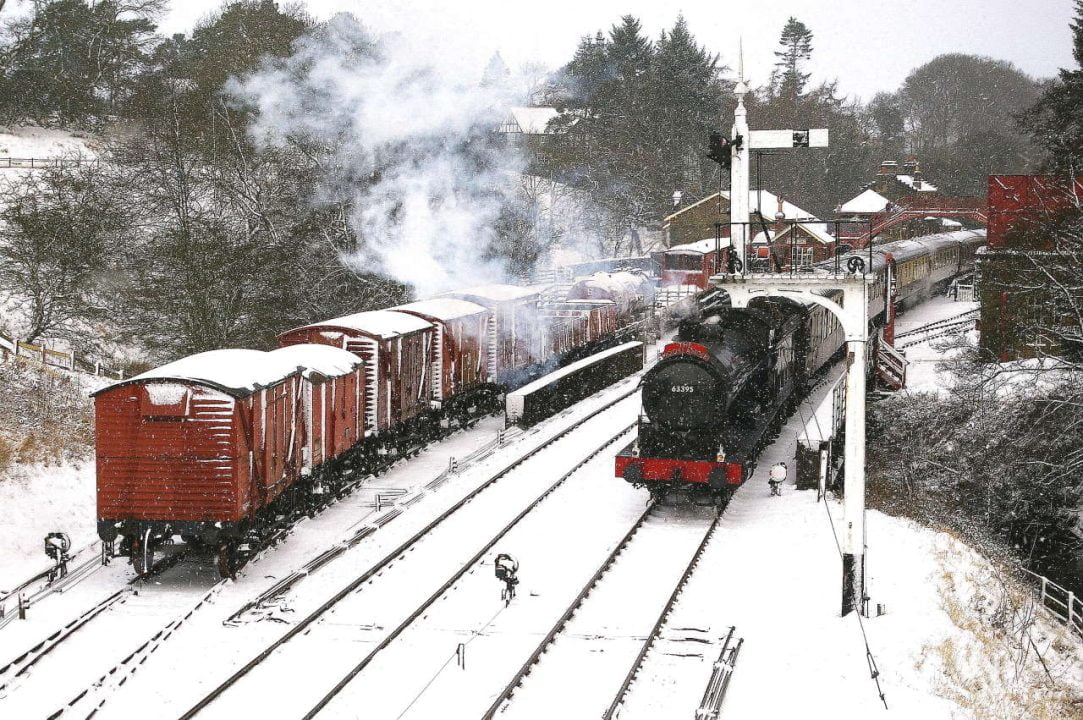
(448,547)
(961,319)
(98,636)
(593,652)
(33,592)
(314,565)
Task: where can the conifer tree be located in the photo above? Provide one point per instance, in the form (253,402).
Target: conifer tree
(796,44)
(1054,121)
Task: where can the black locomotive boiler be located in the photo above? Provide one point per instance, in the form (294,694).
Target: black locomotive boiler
(716,395)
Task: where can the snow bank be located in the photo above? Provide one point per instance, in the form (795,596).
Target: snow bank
(38,499)
(38,142)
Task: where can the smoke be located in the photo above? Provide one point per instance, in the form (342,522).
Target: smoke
(411,132)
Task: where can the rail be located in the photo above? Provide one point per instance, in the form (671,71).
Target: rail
(1063,604)
(524,670)
(618,700)
(75,575)
(710,707)
(303,625)
(457,575)
(454,466)
(26,660)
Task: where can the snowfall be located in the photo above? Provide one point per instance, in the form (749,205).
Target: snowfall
(771,570)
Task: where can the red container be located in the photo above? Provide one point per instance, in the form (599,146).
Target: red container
(463,343)
(210,438)
(397,350)
(515,314)
(332,399)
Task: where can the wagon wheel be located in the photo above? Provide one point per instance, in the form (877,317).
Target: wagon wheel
(229,560)
(143,553)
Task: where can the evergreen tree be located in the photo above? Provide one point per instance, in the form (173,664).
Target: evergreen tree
(1054,120)
(796,43)
(71,62)
(643,110)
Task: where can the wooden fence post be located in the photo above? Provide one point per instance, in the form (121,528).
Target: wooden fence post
(16,348)
(71,361)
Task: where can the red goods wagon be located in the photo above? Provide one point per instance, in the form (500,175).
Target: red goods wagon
(693,263)
(602,316)
(397,350)
(515,316)
(199,446)
(560,332)
(333,401)
(462,344)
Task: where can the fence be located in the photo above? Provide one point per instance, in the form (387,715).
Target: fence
(11,163)
(964,293)
(1063,604)
(65,359)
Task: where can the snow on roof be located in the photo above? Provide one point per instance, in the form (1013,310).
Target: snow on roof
(869,201)
(325,359)
(496,293)
(442,308)
(235,370)
(699,247)
(533,120)
(757,199)
(382,323)
(919,185)
(574,367)
(817,231)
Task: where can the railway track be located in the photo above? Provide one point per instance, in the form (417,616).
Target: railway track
(935,329)
(595,649)
(33,678)
(36,592)
(329,636)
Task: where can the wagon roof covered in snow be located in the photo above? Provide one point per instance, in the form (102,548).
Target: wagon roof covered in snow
(237,372)
(324,359)
(497,293)
(574,367)
(384,324)
(445,308)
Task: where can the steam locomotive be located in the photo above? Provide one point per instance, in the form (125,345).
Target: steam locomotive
(722,389)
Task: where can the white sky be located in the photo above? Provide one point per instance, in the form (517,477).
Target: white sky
(868,45)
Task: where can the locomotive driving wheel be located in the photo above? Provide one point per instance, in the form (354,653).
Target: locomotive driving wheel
(143,553)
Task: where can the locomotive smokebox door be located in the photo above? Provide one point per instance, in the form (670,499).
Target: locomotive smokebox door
(811,458)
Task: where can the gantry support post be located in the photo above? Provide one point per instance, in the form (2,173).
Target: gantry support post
(853,557)
(853,316)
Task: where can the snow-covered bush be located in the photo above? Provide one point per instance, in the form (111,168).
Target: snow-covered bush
(1002,469)
(45,417)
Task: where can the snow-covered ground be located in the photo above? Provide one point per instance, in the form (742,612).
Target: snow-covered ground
(61,498)
(772,570)
(922,372)
(37,142)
